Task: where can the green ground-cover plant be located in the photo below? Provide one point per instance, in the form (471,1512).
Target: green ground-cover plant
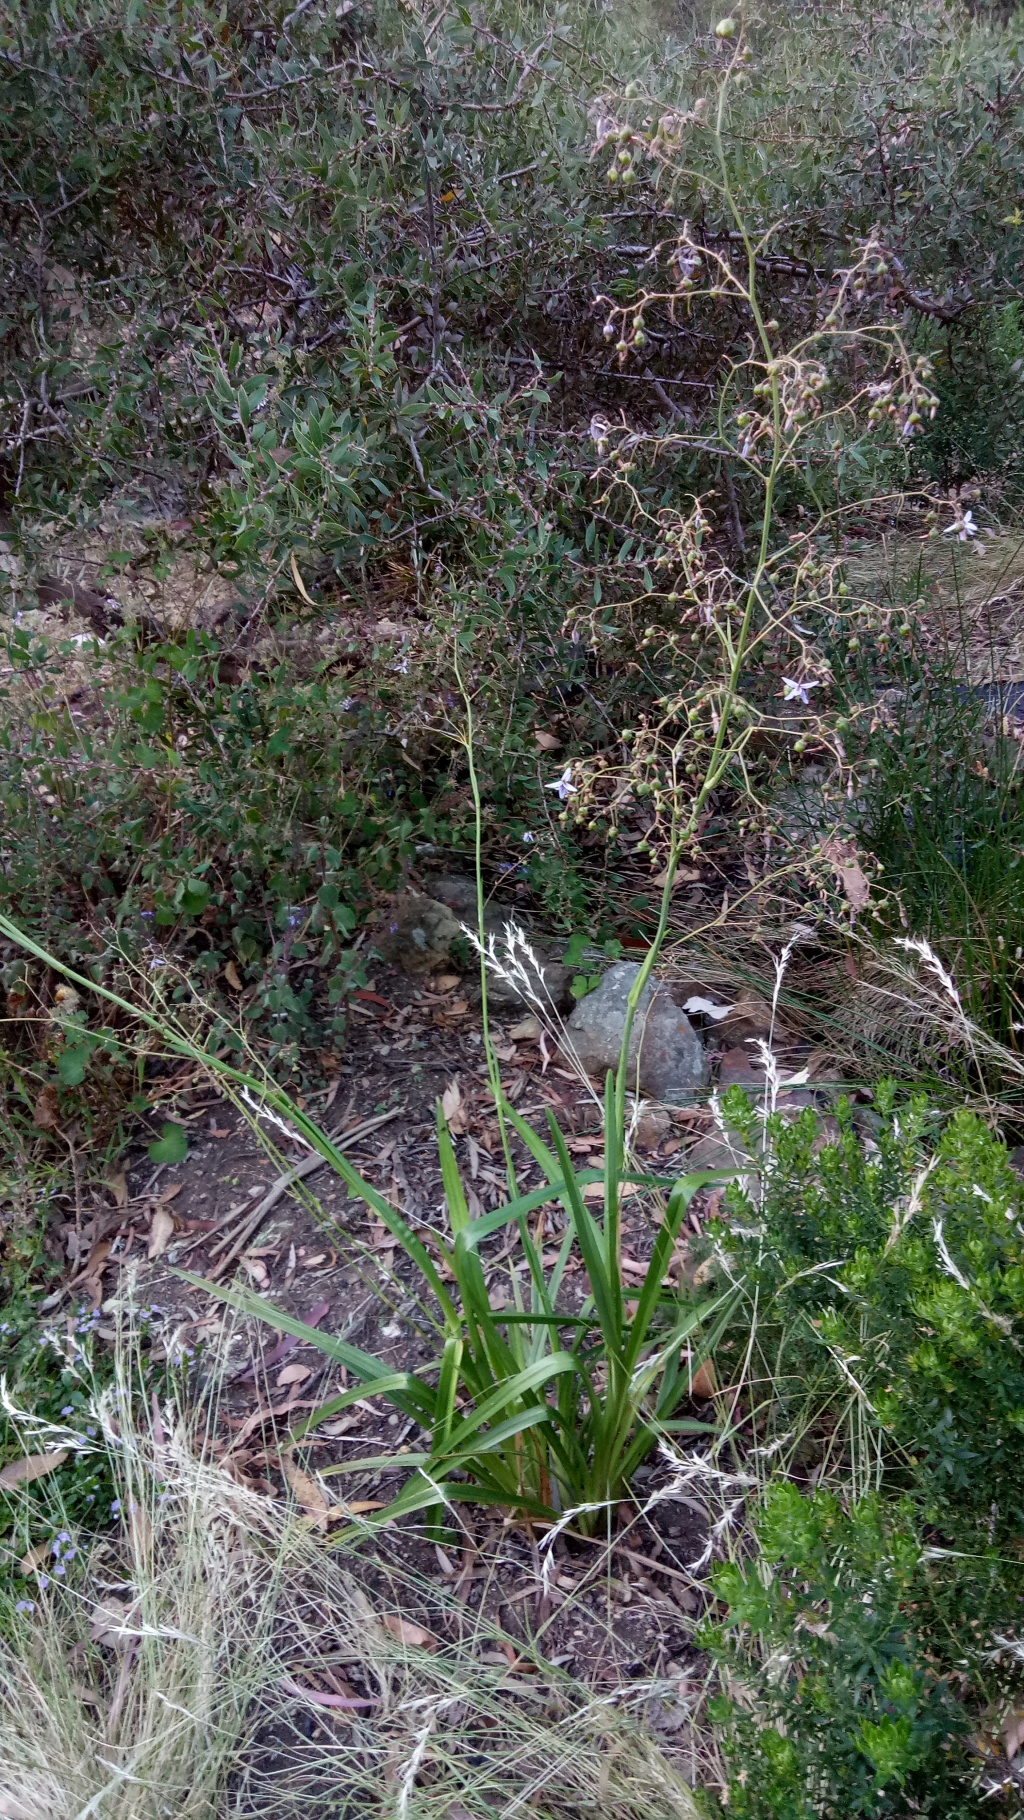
(851,1716)
(942,810)
(876,1372)
(202,823)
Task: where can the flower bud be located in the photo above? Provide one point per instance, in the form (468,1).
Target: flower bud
(726,28)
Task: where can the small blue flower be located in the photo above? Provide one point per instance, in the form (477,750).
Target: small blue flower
(25,1605)
(68,1409)
(60,1570)
(115,1507)
(44,1581)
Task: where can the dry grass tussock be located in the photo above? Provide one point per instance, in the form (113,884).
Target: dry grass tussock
(907,1004)
(181,1668)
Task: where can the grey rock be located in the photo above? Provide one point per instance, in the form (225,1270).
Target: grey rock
(549,981)
(418,933)
(672,1062)
(458,893)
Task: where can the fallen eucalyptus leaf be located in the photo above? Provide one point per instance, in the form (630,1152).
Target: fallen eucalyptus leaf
(32,1466)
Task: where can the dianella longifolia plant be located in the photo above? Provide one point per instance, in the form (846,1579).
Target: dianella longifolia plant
(744,588)
(535,1406)
(544,1406)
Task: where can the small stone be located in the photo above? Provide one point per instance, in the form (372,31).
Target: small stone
(418,933)
(526,1031)
(738,1068)
(458,893)
(652,1126)
(672,1062)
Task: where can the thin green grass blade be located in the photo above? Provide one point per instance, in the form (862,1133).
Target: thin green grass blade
(612,1184)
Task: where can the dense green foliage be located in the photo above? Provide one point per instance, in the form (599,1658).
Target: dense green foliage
(889,1284)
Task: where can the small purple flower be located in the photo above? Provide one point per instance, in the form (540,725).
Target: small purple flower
(44,1581)
(68,1409)
(60,1570)
(25,1605)
(529,838)
(115,1507)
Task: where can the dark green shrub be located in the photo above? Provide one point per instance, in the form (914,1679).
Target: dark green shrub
(876,1620)
(851,1716)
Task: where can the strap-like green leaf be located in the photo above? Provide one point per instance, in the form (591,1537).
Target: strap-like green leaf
(454,1192)
(415,1399)
(678,1202)
(398,1380)
(447,1391)
(506,1395)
